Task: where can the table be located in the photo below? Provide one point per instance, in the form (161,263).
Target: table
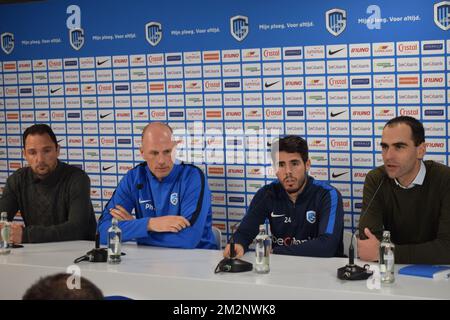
(169,274)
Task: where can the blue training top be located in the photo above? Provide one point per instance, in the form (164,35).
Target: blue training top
(183,192)
(312,226)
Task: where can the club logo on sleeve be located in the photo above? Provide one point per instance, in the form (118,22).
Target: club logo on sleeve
(174,198)
(7,39)
(153,33)
(239,27)
(311,216)
(442,15)
(336,21)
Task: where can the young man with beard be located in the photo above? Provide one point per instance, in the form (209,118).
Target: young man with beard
(306,216)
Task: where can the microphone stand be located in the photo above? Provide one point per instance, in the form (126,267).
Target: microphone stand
(351,271)
(232,264)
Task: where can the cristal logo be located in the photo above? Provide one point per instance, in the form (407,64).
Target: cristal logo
(339,143)
(407,47)
(156,114)
(212,84)
(155,59)
(107,140)
(409,112)
(273,113)
(104,87)
(337,82)
(271,53)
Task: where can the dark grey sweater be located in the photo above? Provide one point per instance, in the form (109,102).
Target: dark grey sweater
(57,208)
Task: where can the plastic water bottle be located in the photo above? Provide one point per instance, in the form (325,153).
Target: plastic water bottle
(262,250)
(5,234)
(114,242)
(387,262)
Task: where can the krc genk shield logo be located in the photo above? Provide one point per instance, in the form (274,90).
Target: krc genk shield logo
(153,33)
(7,39)
(442,15)
(76,37)
(336,21)
(239,27)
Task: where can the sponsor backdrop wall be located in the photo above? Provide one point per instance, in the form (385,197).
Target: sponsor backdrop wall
(227,76)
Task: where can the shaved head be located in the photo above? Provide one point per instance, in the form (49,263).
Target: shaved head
(158,148)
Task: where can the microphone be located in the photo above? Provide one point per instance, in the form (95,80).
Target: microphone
(232,264)
(351,271)
(100,254)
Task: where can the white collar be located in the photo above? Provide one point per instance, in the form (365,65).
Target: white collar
(418,180)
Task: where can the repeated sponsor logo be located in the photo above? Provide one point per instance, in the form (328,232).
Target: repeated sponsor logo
(361,97)
(173,58)
(104,75)
(192,72)
(315,83)
(408,96)
(319,173)
(408,48)
(383,49)
(231,56)
(383,81)
(314,67)
(436,145)
(408,64)
(433,63)
(360,128)
(316,143)
(384,113)
(192,57)
(293,68)
(155,59)
(272,69)
(360,82)
(359,50)
(384,97)
(432,47)
(359,175)
(435,112)
(292,53)
(314,52)
(315,98)
(337,82)
(409,111)
(433,96)
(336,51)
(433,80)
(294,113)
(361,113)
(271,54)
(337,66)
(383,65)
(293,83)
(360,66)
(211,56)
(251,55)
(338,128)
(212,71)
(174,72)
